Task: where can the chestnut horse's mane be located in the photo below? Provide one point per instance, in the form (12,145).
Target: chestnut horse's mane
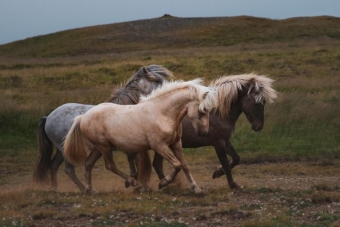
(228,87)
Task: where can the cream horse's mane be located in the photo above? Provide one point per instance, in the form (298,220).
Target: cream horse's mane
(206,95)
(228,87)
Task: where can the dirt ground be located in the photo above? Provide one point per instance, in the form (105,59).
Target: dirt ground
(273,194)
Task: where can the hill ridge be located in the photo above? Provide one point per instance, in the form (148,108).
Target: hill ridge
(169,32)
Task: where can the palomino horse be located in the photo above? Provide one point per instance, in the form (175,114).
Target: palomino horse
(154,123)
(54,127)
(236,94)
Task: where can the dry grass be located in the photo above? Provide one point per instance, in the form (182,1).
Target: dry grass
(283,194)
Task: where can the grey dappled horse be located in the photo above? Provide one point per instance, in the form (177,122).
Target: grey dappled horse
(54,128)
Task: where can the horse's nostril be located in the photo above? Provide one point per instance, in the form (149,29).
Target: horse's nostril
(203,134)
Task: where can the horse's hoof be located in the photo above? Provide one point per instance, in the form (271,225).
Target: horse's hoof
(218,173)
(131,182)
(127,184)
(141,189)
(235,186)
(89,192)
(197,190)
(162,184)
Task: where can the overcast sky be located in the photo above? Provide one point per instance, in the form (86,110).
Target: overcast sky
(21,19)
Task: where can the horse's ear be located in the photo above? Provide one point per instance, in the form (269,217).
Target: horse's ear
(145,70)
(205,94)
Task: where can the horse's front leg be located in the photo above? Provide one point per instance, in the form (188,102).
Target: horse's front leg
(90,160)
(157,164)
(221,154)
(178,152)
(164,151)
(235,160)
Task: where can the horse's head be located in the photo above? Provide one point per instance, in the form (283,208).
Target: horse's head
(254,97)
(198,110)
(247,93)
(151,77)
(142,82)
(253,107)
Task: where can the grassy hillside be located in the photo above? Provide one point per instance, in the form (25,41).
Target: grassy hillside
(172,33)
(301,54)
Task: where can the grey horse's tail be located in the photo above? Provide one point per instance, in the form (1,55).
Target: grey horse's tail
(45,153)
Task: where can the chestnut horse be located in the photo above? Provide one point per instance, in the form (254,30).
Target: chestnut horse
(154,123)
(53,128)
(246,93)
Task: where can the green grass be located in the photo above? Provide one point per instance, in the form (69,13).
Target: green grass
(302,122)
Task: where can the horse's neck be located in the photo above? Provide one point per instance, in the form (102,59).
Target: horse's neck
(175,103)
(235,111)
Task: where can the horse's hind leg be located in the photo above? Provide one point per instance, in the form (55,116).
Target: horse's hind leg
(178,151)
(69,170)
(133,164)
(221,154)
(235,160)
(90,160)
(110,165)
(55,163)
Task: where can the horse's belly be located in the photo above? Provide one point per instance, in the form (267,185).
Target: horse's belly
(195,141)
(130,144)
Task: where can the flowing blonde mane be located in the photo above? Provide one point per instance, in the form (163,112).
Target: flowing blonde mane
(206,95)
(228,87)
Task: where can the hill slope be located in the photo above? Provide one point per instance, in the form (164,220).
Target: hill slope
(171,33)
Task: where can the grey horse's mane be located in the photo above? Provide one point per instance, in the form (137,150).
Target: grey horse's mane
(129,94)
(228,87)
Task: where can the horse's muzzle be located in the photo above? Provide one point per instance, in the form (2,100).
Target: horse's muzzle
(202,133)
(257,128)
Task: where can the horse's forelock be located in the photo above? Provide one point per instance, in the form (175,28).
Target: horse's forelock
(262,86)
(207,98)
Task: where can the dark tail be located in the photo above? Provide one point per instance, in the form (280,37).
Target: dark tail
(144,168)
(45,153)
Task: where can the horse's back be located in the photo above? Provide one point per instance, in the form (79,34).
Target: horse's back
(117,125)
(60,120)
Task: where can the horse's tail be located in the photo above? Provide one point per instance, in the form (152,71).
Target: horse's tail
(42,168)
(75,144)
(144,167)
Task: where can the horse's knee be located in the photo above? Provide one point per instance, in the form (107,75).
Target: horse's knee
(107,166)
(69,171)
(178,166)
(110,167)
(236,160)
